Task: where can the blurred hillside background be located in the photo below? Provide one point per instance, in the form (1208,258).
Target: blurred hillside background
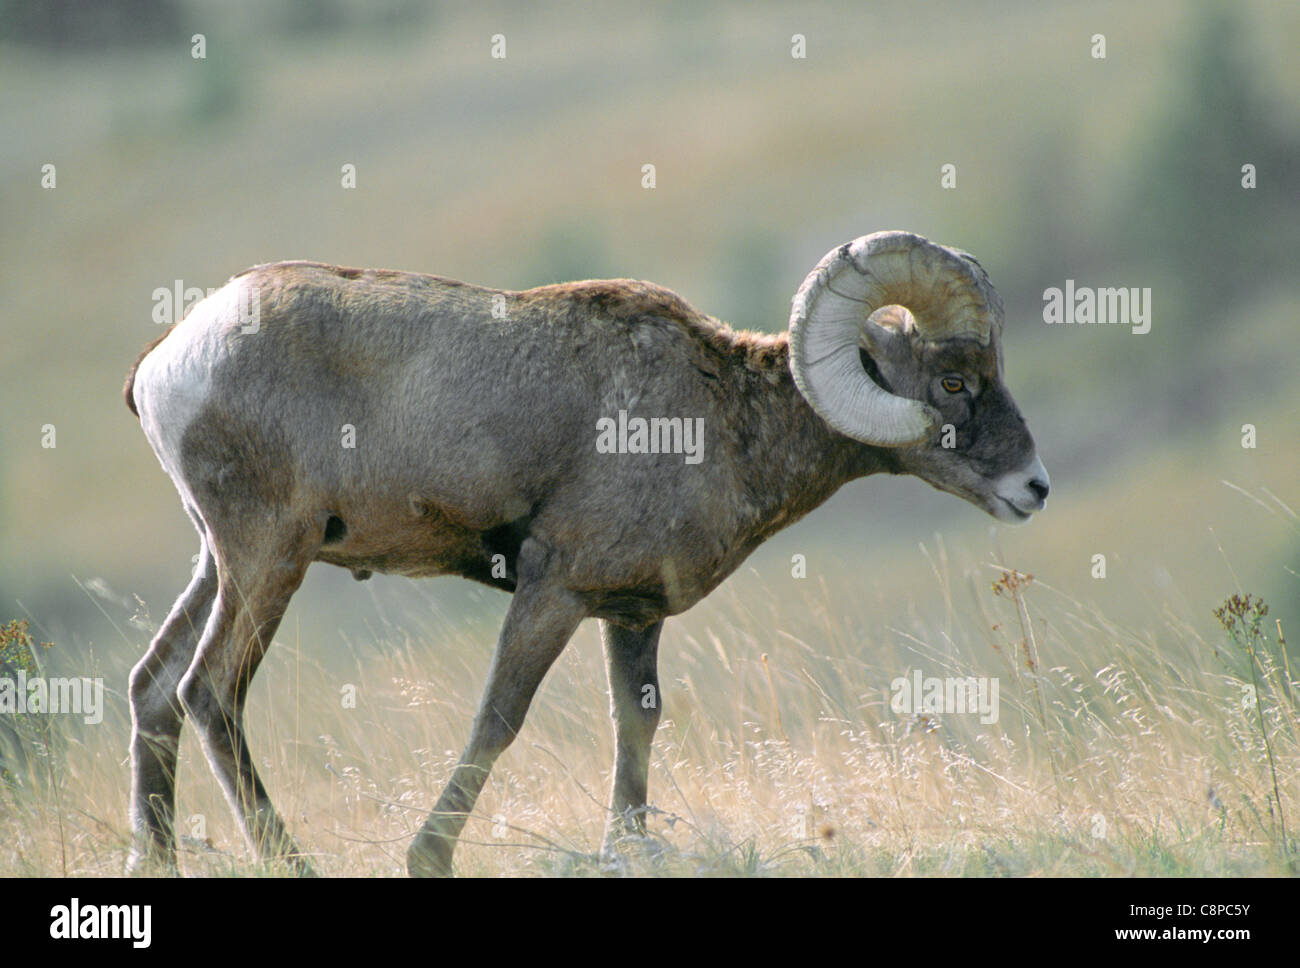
(1122,171)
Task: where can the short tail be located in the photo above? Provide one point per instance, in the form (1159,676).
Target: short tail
(128,390)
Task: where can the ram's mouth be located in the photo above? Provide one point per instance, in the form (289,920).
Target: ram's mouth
(1018,516)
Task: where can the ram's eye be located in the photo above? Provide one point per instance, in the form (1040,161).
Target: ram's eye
(953,384)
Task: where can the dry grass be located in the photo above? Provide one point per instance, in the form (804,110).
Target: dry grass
(1118,751)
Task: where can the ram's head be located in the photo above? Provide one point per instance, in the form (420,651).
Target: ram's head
(897,342)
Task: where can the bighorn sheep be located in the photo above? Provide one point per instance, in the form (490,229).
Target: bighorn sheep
(476,415)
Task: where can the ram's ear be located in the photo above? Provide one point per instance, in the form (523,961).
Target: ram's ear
(887,333)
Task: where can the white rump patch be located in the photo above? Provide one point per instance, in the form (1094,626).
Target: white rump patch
(174,381)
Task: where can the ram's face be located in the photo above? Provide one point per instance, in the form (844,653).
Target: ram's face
(982,450)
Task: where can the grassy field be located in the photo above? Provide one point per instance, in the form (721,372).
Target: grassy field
(1123,745)
(1118,749)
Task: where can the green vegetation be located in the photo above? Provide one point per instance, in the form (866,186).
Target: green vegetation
(25,734)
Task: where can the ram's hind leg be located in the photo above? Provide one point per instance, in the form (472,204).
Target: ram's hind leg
(257,577)
(156,719)
(631,660)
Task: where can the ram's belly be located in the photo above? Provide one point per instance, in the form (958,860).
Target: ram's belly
(418,545)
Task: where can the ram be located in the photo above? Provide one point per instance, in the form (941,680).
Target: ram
(414,425)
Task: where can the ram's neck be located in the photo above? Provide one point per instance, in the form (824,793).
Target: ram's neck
(793,460)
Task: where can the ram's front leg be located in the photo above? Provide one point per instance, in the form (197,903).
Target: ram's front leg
(631,659)
(541,619)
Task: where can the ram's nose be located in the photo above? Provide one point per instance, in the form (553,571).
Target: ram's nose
(1040,485)
(1026,489)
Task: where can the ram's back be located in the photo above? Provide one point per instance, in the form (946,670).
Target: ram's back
(424,412)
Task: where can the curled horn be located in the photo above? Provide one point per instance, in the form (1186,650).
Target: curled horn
(945,290)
